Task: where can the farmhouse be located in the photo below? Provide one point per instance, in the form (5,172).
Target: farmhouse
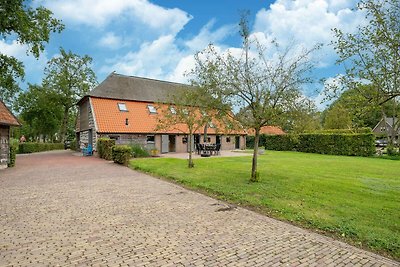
(7,119)
(124,108)
(386,126)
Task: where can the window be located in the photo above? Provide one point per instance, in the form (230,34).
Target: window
(228,139)
(122,107)
(152,109)
(383,129)
(173,110)
(151,139)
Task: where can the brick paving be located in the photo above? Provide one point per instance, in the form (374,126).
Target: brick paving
(59,209)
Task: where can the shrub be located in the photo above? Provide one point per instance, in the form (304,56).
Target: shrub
(138,151)
(286,142)
(325,143)
(13,152)
(392,151)
(74,145)
(250,140)
(31,147)
(104,148)
(121,154)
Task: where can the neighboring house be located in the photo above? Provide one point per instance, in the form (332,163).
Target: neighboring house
(7,119)
(385,127)
(124,108)
(269,130)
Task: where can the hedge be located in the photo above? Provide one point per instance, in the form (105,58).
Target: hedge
(362,144)
(104,148)
(29,147)
(361,130)
(250,140)
(121,154)
(13,153)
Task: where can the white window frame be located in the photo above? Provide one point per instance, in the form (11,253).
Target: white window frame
(152,109)
(122,107)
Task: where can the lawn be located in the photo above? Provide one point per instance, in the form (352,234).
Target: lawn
(353,198)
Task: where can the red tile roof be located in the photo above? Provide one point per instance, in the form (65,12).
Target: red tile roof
(268,130)
(6,117)
(109,119)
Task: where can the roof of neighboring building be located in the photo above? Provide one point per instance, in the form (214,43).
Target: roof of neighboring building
(268,130)
(110,119)
(6,117)
(117,86)
(389,121)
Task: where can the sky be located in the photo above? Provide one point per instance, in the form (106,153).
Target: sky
(158,38)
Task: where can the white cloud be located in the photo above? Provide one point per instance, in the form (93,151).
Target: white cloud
(155,59)
(99,13)
(111,41)
(308,22)
(207,36)
(14,48)
(33,67)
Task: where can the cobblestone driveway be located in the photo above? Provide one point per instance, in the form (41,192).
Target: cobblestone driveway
(57,209)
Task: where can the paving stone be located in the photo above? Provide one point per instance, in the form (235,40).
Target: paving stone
(60,209)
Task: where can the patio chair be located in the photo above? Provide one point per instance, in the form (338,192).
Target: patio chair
(87,151)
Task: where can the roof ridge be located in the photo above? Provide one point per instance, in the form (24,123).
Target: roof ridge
(146,78)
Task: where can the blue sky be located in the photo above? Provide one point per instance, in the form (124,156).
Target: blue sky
(157,39)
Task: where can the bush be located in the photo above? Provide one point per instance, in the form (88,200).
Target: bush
(362,144)
(392,151)
(31,147)
(286,142)
(362,130)
(121,154)
(104,148)
(74,145)
(138,151)
(13,152)
(250,140)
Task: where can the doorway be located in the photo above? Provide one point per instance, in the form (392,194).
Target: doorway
(237,142)
(172,143)
(164,143)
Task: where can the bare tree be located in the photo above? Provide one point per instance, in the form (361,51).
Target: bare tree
(260,89)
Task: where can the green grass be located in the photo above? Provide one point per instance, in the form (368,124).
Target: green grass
(353,198)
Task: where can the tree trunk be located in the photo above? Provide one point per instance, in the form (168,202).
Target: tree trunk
(254,174)
(190,163)
(64,124)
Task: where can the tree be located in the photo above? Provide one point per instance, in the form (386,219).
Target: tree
(264,89)
(187,111)
(303,117)
(40,112)
(337,117)
(70,77)
(372,54)
(29,26)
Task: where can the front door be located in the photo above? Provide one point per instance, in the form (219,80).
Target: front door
(237,142)
(172,141)
(164,143)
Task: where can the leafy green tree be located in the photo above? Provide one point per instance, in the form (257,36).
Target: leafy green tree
(70,77)
(40,112)
(29,26)
(337,117)
(372,54)
(303,117)
(265,89)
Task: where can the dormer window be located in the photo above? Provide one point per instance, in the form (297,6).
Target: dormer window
(122,107)
(173,110)
(152,109)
